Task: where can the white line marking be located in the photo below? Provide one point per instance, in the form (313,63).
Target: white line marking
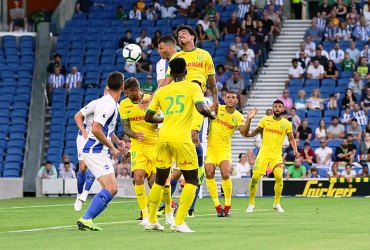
(59,205)
(108,223)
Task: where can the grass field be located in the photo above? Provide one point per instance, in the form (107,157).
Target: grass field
(311,223)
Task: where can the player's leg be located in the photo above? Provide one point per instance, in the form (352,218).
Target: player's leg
(140,192)
(278,188)
(201,176)
(212,186)
(259,169)
(90,178)
(81,179)
(225,167)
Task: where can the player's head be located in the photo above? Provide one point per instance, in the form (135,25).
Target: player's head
(186,34)
(278,108)
(178,67)
(231,99)
(132,88)
(115,81)
(166,46)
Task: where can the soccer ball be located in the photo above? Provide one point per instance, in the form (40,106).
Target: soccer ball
(131,52)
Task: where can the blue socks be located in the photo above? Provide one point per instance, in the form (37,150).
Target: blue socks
(81,177)
(98,204)
(90,178)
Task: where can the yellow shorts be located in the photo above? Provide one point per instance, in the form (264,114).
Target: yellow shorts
(143,157)
(197,120)
(184,154)
(263,161)
(216,156)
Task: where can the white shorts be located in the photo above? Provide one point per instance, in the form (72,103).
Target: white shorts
(98,164)
(80,142)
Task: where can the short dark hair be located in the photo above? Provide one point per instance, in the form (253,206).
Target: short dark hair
(48,162)
(353,120)
(115,80)
(178,66)
(294,60)
(232,92)
(334,117)
(278,101)
(189,29)
(168,39)
(223,67)
(132,83)
(306,144)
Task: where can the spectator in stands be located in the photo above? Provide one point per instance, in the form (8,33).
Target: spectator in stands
(300,102)
(344,33)
(362,32)
(135,13)
(295,71)
(333,173)
(243,8)
(66,158)
(126,40)
(18,19)
(307,155)
(356,84)
(366,53)
(297,170)
(363,68)
(336,54)
(344,153)
(144,41)
(268,25)
(346,116)
(315,71)
(57,60)
(348,173)
(220,24)
(303,60)
(167,10)
(295,119)
(56,80)
(335,130)
(323,60)
(221,75)
(309,46)
(365,171)
(314,32)
(149,86)
(349,99)
(331,32)
(151,14)
(67,172)
(246,50)
(245,66)
(333,18)
(355,130)
(331,71)
(332,103)
(211,10)
(48,171)
(183,6)
(321,20)
(325,6)
(144,64)
(157,35)
(365,100)
(205,23)
(315,101)
(236,85)
(73,79)
(140,4)
(193,11)
(249,24)
(314,174)
(341,10)
(257,50)
(323,154)
(130,67)
(236,46)
(360,115)
(304,132)
(275,17)
(83,6)
(288,102)
(244,166)
(348,64)
(354,53)
(230,61)
(120,14)
(321,130)
(302,49)
(213,33)
(123,173)
(261,35)
(232,26)
(324,53)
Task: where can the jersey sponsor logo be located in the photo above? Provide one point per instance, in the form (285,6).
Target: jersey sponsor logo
(137,118)
(224,123)
(185,163)
(195,65)
(127,107)
(274,131)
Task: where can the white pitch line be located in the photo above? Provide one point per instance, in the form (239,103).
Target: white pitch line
(106,223)
(59,205)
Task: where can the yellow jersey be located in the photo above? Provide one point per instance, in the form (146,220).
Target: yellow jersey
(199,65)
(223,127)
(274,132)
(177,101)
(131,112)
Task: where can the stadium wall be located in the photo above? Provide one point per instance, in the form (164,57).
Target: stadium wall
(11,188)
(62,13)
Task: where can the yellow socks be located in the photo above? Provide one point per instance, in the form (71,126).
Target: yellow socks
(253,187)
(278,188)
(167,199)
(186,199)
(212,189)
(154,200)
(141,199)
(228,188)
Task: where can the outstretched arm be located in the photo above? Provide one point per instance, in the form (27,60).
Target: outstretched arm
(213,88)
(244,130)
(152,118)
(129,132)
(255,132)
(293,143)
(79,122)
(204,110)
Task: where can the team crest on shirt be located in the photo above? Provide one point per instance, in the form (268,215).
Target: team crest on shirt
(200,57)
(106,167)
(282,126)
(234,120)
(104,115)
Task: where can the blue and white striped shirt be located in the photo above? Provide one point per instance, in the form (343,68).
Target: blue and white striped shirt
(73,80)
(57,81)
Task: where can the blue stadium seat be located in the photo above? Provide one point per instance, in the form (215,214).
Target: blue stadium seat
(331,112)
(11,173)
(322,172)
(312,82)
(346,74)
(56,143)
(14,151)
(18,120)
(13,158)
(58,121)
(17,129)
(334,143)
(56,159)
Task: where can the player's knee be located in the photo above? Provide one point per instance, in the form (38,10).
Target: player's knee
(225,176)
(138,178)
(113,190)
(210,174)
(82,166)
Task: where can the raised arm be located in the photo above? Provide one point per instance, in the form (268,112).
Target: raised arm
(204,110)
(244,130)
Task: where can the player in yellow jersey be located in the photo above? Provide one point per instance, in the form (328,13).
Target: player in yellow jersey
(274,129)
(228,119)
(144,138)
(176,101)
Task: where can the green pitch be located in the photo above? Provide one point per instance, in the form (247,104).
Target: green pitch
(312,223)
